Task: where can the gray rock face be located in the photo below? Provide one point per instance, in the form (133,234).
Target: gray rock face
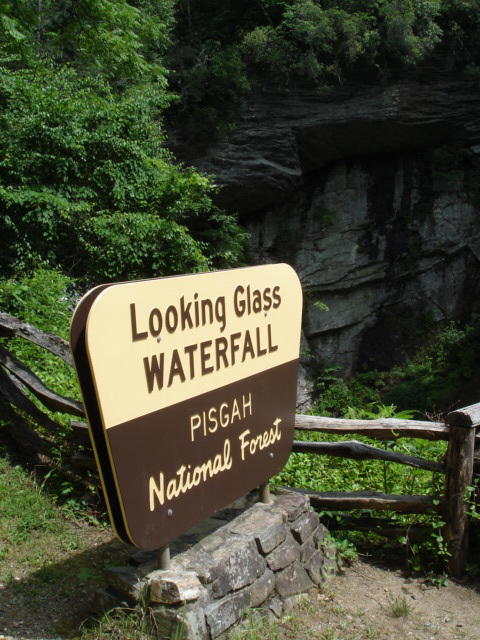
(372,195)
(381,251)
(282,137)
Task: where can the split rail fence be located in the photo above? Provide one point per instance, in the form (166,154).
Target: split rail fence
(18,412)
(459,430)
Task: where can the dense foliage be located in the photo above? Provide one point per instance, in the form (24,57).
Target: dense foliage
(86,181)
(441,375)
(220,52)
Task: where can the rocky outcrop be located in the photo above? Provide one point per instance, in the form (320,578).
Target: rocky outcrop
(372,194)
(283,136)
(382,252)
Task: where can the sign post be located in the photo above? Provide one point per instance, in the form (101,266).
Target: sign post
(189,385)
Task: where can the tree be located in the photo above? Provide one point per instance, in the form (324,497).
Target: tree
(86,181)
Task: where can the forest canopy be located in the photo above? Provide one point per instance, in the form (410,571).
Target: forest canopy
(223,50)
(87,184)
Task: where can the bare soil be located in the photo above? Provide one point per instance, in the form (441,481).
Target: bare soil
(55,601)
(367,600)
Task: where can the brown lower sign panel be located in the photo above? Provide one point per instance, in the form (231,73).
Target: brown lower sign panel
(188,460)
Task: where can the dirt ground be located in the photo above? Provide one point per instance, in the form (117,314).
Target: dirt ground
(363,601)
(50,603)
(366,600)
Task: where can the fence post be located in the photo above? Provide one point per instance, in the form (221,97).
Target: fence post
(458,476)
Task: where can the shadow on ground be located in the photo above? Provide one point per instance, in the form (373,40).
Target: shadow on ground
(55,600)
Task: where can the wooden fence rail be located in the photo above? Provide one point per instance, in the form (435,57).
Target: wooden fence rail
(18,384)
(382,429)
(459,430)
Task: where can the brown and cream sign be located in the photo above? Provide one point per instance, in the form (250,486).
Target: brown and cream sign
(189,384)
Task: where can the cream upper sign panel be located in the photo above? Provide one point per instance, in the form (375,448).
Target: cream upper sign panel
(155,343)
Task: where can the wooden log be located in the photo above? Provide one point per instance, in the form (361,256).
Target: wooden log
(383,429)
(376,500)
(466,417)
(13,392)
(83,460)
(80,434)
(49,398)
(359,451)
(458,476)
(21,433)
(415,533)
(11,326)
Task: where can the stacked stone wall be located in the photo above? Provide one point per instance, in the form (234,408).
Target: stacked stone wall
(263,557)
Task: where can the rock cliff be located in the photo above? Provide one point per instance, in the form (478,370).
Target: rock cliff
(373,195)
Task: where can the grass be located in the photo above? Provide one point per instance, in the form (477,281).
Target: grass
(50,565)
(256,625)
(31,526)
(321,620)
(118,625)
(399,605)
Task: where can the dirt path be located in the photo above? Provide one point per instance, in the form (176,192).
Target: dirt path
(366,600)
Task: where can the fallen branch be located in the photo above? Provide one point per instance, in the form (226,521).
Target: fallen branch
(13,392)
(10,327)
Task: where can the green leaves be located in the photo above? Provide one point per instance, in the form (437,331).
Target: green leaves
(120,41)
(133,245)
(409,29)
(87,183)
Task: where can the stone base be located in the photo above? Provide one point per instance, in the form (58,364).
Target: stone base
(261,555)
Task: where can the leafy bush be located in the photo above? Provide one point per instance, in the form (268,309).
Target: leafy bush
(45,299)
(323,41)
(336,396)
(332,39)
(441,375)
(83,151)
(81,164)
(408,28)
(284,42)
(115,39)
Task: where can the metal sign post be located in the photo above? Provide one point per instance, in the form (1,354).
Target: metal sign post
(265,493)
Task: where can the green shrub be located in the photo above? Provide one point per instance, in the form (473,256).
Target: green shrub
(84,172)
(436,378)
(46,300)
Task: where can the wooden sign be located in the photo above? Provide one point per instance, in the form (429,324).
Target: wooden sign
(189,385)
